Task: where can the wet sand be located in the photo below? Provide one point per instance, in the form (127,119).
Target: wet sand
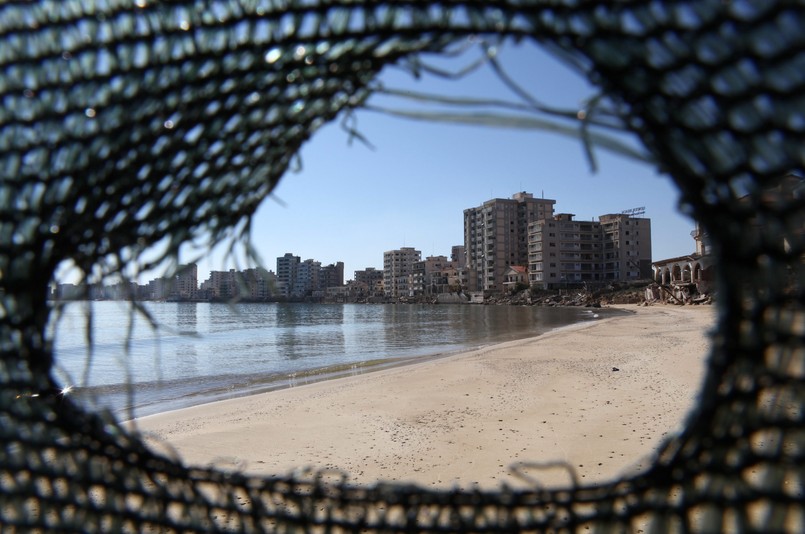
(594,400)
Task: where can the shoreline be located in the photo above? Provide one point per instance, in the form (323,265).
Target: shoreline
(592,397)
(173,371)
(281,382)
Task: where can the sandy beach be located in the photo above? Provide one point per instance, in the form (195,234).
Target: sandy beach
(594,400)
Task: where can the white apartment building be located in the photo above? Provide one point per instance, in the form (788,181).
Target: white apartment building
(398,270)
(496,236)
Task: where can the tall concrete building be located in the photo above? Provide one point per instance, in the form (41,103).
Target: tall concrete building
(286,272)
(428,274)
(251,284)
(307,278)
(458,256)
(496,236)
(221,285)
(369,280)
(398,270)
(332,275)
(627,247)
(257,284)
(186,281)
(564,252)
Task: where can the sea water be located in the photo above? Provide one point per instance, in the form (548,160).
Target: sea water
(171,355)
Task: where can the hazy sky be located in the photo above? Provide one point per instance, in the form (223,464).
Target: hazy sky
(351,203)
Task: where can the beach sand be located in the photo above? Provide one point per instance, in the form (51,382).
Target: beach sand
(595,399)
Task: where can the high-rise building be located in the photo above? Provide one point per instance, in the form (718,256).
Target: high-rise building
(496,236)
(398,269)
(251,284)
(562,251)
(307,278)
(257,283)
(566,252)
(332,275)
(627,247)
(286,272)
(458,256)
(221,285)
(186,281)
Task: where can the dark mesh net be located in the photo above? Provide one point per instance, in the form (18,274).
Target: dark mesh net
(130,123)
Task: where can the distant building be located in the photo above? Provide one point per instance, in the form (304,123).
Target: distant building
(307,278)
(286,272)
(185,282)
(496,236)
(221,285)
(564,252)
(368,282)
(159,288)
(627,247)
(252,284)
(428,275)
(516,277)
(332,275)
(458,256)
(398,270)
(257,284)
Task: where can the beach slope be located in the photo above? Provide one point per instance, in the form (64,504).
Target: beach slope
(590,401)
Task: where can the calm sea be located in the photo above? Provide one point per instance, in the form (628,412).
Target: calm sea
(200,352)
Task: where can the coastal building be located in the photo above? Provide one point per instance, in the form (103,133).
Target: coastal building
(683,276)
(286,272)
(368,282)
(516,278)
(627,246)
(252,284)
(185,283)
(496,236)
(398,269)
(159,288)
(686,276)
(257,284)
(458,256)
(307,278)
(428,275)
(332,275)
(563,252)
(221,285)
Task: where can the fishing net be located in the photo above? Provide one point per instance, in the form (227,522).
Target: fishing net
(130,124)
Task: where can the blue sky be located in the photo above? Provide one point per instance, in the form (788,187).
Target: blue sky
(351,203)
